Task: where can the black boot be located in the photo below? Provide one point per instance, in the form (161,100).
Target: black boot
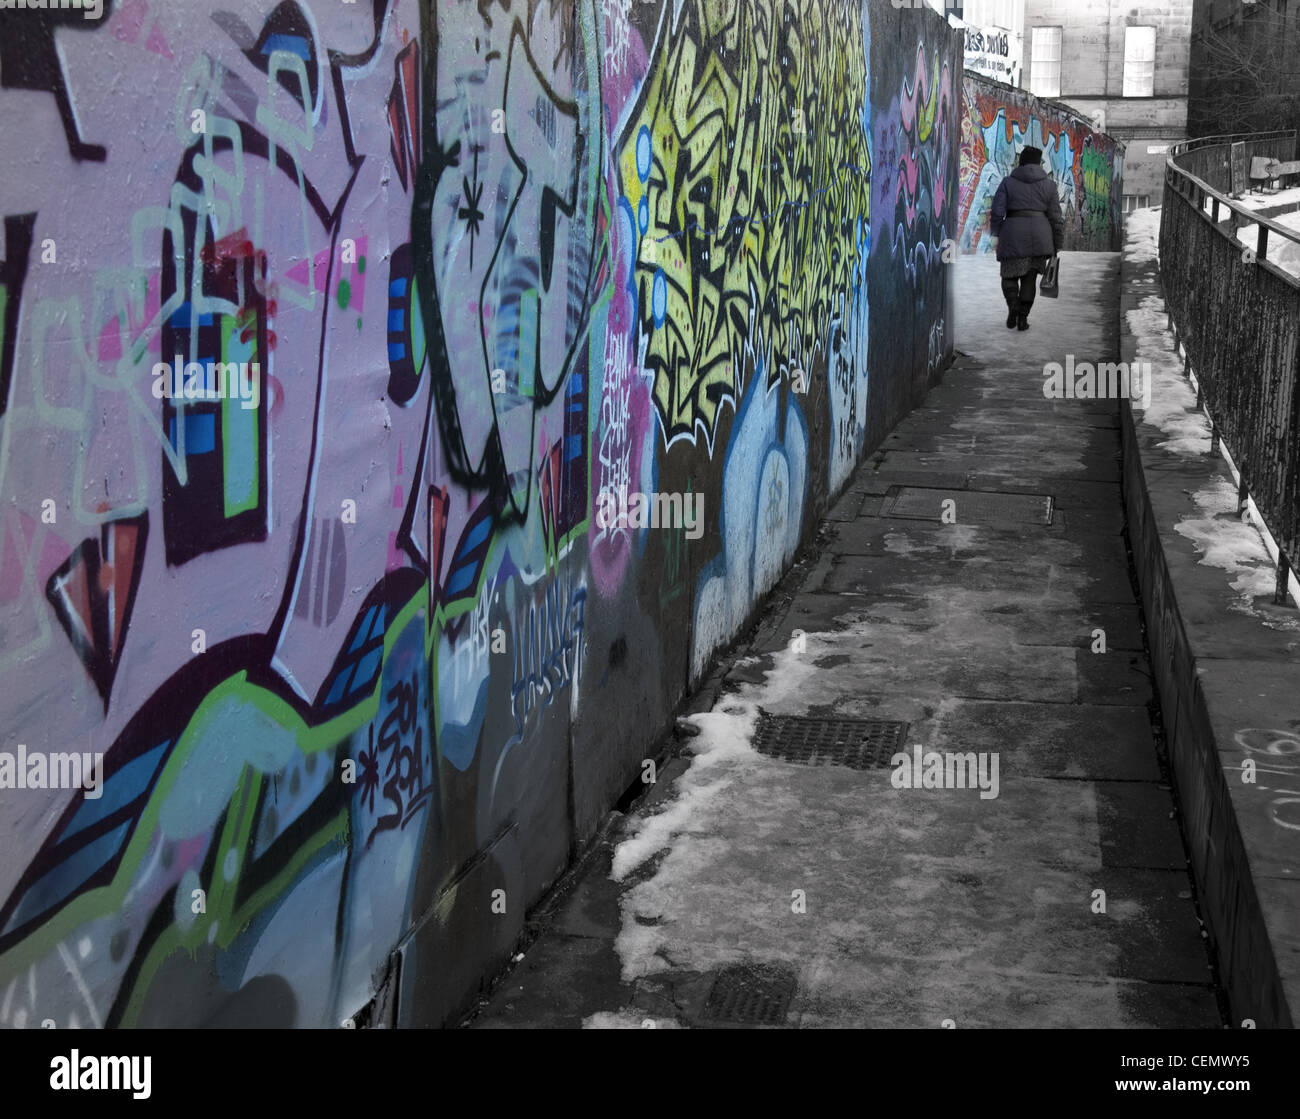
(1026,300)
(1011,293)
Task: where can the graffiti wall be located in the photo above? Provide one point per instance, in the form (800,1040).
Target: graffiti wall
(915,116)
(400,404)
(1088,166)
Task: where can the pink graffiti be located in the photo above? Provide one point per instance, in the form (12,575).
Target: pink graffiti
(624,421)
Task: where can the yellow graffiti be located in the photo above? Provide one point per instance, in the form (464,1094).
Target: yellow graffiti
(758,173)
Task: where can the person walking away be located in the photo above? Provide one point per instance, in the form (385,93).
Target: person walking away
(1026,219)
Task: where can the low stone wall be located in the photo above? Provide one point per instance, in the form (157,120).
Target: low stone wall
(1227,670)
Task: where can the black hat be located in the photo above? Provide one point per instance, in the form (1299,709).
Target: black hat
(1031,155)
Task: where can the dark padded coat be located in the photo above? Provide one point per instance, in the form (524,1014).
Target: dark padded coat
(1041,234)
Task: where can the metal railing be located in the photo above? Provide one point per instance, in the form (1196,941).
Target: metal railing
(1209,158)
(1237,316)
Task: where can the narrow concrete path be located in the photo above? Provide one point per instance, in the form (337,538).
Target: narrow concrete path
(1064,900)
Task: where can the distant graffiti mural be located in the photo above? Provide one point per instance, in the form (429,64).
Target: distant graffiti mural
(400,403)
(1088,166)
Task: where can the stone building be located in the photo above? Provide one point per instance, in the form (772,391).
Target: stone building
(1125,66)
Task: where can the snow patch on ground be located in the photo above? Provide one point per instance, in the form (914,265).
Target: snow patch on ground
(1143,230)
(627,1020)
(723,742)
(1224,541)
(1280,251)
(1258,201)
(1173,403)
(721,751)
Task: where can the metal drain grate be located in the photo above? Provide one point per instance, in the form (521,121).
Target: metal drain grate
(809,740)
(972,507)
(752,995)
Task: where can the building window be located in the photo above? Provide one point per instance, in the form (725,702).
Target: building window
(1139,61)
(1045,62)
(1136,202)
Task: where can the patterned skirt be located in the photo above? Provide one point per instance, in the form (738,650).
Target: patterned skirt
(1015,266)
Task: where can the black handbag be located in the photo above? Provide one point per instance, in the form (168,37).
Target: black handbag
(1051,285)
